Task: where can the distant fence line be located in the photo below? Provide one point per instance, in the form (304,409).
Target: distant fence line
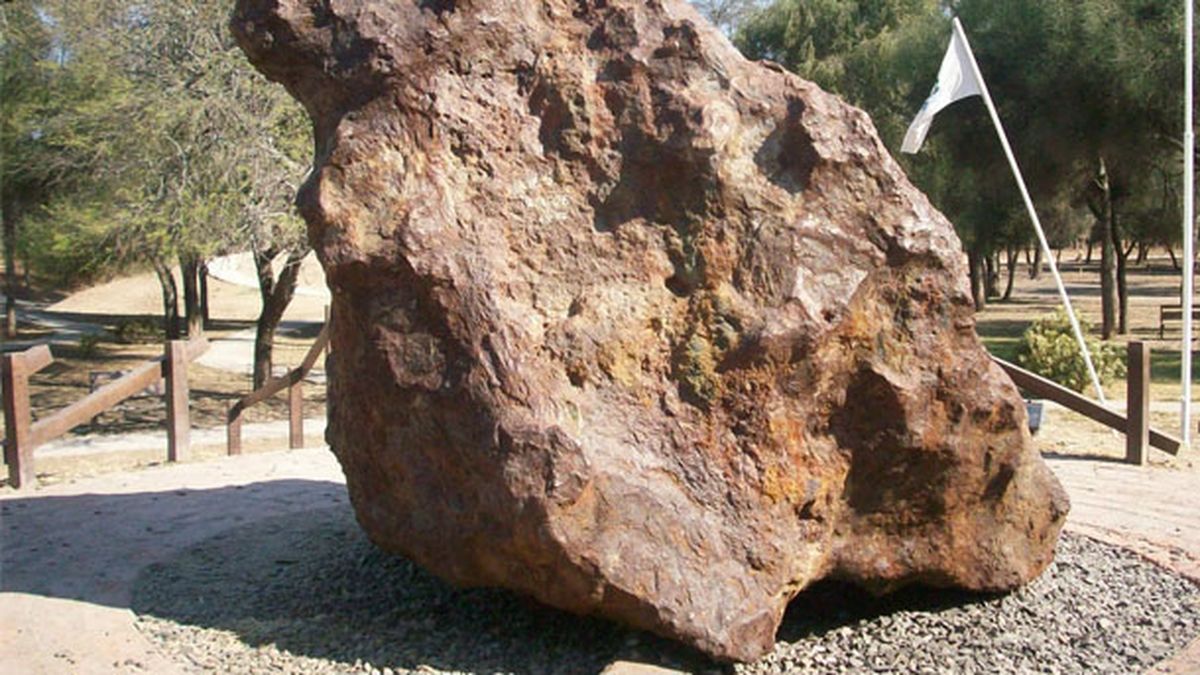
(22,435)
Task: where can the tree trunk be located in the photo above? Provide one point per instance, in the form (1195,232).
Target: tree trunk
(1035,267)
(189,268)
(1088,260)
(204,314)
(276,295)
(170,298)
(975,268)
(10,268)
(1013,257)
(1122,288)
(264,349)
(992,276)
(1108,255)
(1174,260)
(1143,252)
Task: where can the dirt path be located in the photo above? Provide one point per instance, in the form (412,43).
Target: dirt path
(1154,511)
(72,551)
(233,293)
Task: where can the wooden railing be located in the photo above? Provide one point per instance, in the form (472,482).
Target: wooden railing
(293,381)
(1136,425)
(22,434)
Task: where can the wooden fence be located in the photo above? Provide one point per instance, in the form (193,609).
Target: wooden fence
(293,381)
(22,435)
(1135,424)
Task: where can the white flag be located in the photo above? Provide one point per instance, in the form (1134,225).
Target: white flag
(956,81)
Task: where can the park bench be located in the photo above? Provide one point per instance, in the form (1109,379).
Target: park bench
(1172,313)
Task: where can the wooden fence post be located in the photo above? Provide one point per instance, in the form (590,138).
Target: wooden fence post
(17,421)
(233,430)
(293,381)
(328,318)
(1137,433)
(296,415)
(178,420)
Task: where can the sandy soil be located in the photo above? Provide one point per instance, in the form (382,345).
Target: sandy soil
(75,550)
(72,551)
(140,295)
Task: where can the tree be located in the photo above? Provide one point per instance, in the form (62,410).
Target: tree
(267,219)
(23,38)
(727,14)
(1087,92)
(181,63)
(235,152)
(212,168)
(1099,102)
(47,146)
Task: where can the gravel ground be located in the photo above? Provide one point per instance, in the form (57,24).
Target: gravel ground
(309,594)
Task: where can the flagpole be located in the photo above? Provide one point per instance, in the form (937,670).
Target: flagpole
(1037,223)
(1189,221)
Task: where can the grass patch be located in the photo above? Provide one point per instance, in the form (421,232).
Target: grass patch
(1165,365)
(1002,347)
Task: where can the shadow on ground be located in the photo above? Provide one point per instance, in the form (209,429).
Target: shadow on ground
(277,573)
(312,585)
(91,547)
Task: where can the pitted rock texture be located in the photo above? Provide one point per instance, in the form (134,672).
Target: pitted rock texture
(638,327)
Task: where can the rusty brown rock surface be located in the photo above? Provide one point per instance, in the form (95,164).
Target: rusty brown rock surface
(637,327)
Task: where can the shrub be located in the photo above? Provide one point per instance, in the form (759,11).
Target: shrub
(89,345)
(1049,349)
(138,331)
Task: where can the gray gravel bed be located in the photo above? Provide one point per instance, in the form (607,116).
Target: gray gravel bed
(309,594)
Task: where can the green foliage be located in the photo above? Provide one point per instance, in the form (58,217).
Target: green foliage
(65,239)
(139,134)
(1074,81)
(1049,348)
(137,331)
(727,14)
(89,346)
(869,51)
